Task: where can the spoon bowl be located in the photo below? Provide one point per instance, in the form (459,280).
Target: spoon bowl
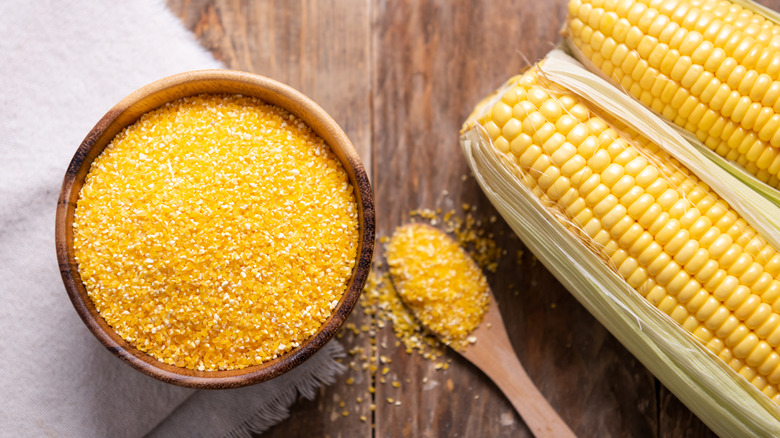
(426,258)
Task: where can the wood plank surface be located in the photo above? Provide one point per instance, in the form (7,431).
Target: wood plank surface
(401,77)
(434,62)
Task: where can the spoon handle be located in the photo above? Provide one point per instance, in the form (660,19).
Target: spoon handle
(510,376)
(494,355)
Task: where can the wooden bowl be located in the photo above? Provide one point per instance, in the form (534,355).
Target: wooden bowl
(152,97)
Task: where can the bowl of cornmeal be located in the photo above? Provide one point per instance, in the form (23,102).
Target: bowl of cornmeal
(215,229)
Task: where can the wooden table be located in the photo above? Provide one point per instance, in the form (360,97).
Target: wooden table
(401,77)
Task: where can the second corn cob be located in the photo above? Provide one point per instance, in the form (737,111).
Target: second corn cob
(658,225)
(710,66)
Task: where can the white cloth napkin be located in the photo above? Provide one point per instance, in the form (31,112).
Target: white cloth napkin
(64,64)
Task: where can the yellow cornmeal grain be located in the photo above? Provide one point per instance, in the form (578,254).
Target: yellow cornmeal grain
(437,279)
(381,301)
(216,232)
(469,234)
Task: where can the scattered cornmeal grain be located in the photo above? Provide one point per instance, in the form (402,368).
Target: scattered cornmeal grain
(216,232)
(467,231)
(437,279)
(381,301)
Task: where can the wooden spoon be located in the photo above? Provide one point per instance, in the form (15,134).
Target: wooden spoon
(494,355)
(492,352)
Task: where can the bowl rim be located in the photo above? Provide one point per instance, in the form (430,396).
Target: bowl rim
(127,111)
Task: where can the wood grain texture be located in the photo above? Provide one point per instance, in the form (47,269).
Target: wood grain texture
(434,62)
(401,77)
(318,47)
(493,354)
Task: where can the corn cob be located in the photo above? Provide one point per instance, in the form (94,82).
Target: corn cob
(679,245)
(710,66)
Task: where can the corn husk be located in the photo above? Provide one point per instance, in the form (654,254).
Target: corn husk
(734,169)
(726,179)
(754,7)
(725,401)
